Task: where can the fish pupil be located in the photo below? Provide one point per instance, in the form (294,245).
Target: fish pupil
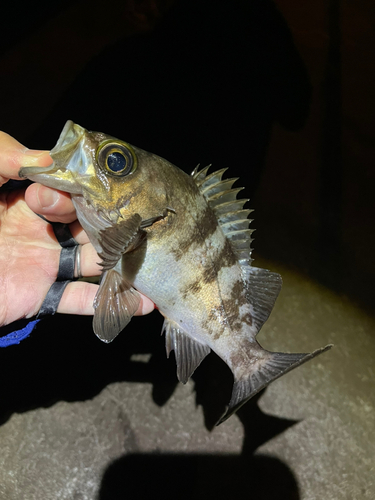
(116,161)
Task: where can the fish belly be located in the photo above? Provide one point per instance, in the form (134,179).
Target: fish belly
(201,290)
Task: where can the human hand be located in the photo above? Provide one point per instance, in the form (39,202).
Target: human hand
(29,251)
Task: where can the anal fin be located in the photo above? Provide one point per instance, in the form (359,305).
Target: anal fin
(268,368)
(188,352)
(115,304)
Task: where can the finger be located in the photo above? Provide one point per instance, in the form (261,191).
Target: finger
(14,155)
(78,298)
(55,206)
(78,233)
(89,261)
(145,307)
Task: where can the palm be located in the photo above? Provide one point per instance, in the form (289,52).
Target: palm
(29,257)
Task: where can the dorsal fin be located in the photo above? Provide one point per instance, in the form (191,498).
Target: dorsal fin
(222,198)
(263,286)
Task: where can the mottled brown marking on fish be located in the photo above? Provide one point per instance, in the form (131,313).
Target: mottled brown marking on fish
(244,355)
(238,291)
(232,305)
(191,288)
(236,325)
(204,227)
(225,257)
(242,299)
(248,319)
(231,308)
(208,276)
(215,313)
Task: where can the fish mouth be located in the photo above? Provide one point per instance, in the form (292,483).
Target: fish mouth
(67,151)
(70,135)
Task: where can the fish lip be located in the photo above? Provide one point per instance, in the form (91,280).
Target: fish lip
(61,153)
(69,138)
(62,138)
(52,177)
(58,175)
(28,172)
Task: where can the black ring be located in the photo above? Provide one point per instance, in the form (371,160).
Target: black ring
(67,263)
(66,268)
(53,297)
(64,277)
(63,234)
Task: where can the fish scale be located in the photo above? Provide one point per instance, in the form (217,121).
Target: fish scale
(184,242)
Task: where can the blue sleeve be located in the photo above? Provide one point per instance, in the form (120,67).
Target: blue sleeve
(15,337)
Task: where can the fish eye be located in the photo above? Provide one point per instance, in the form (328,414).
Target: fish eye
(117,158)
(116,162)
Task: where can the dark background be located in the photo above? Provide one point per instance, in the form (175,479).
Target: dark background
(281,92)
(228,84)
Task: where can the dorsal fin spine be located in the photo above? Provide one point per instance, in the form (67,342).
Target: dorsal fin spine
(230,206)
(239,234)
(231,215)
(200,175)
(217,187)
(211,179)
(236,215)
(227,195)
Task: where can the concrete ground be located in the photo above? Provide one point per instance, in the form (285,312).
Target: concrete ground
(94,421)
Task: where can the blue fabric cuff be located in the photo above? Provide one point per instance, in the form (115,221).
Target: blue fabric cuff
(15,337)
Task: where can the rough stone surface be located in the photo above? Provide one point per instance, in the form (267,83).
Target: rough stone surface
(310,439)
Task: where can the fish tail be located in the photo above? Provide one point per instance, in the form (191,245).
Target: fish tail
(266,369)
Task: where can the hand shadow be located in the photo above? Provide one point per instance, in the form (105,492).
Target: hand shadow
(202,476)
(186,477)
(63,360)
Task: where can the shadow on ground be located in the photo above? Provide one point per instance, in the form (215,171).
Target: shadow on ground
(48,368)
(66,362)
(199,477)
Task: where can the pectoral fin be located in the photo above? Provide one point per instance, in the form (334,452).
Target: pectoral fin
(120,238)
(189,353)
(115,304)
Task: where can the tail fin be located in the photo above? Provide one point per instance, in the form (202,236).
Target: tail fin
(265,371)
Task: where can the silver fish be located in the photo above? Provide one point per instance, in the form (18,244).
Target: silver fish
(184,242)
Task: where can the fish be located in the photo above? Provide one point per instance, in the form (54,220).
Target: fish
(181,240)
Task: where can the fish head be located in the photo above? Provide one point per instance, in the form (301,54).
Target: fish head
(110,174)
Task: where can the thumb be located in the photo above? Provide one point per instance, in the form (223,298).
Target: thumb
(13,156)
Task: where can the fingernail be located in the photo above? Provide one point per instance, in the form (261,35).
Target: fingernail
(36,158)
(47,197)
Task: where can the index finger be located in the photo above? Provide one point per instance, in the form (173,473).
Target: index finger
(13,156)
